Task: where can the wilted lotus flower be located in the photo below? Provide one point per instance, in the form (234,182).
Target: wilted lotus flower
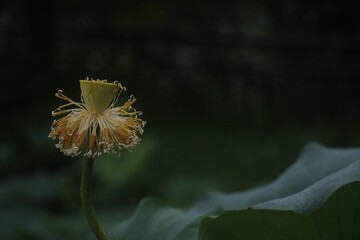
(95,125)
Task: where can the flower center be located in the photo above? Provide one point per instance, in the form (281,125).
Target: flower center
(97,95)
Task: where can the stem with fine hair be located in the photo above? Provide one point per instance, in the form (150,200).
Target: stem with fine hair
(86,201)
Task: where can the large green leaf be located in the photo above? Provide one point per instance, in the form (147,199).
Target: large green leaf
(338,219)
(302,188)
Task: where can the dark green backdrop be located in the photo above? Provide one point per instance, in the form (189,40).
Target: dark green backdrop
(231,91)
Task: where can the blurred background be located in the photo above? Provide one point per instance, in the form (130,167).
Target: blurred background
(231,91)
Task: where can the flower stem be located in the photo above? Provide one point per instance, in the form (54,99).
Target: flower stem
(86,201)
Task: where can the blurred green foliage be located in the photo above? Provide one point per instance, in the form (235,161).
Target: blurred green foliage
(231,91)
(322,187)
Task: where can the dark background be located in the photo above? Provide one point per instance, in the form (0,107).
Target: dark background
(231,91)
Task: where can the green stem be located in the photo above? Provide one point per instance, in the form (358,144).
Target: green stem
(85,195)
